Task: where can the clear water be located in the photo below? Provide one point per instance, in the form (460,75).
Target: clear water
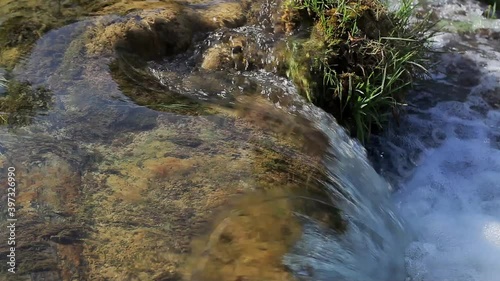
(427,210)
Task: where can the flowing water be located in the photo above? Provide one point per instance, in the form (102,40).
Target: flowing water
(124,179)
(445,159)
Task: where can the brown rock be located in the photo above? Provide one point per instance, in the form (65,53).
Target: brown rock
(150,34)
(167,30)
(217,58)
(229,14)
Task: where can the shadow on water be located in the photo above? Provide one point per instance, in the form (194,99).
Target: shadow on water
(460,86)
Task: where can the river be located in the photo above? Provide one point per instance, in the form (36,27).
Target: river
(131,171)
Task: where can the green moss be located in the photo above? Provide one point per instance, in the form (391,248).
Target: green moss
(22,102)
(303,63)
(24,22)
(357,60)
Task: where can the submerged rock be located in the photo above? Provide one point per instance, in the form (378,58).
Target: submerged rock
(22,102)
(129,205)
(166,30)
(24,22)
(133,214)
(153,28)
(116,191)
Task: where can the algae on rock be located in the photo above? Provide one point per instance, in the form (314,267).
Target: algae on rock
(26,21)
(22,102)
(146,195)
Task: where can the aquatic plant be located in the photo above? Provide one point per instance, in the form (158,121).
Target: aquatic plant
(22,102)
(491,11)
(491,4)
(356,59)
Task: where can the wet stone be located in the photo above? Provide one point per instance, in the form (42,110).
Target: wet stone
(492,98)
(469,79)
(189,142)
(120,192)
(136,119)
(495,140)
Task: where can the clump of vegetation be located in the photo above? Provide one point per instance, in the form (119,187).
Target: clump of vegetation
(22,102)
(356,59)
(491,11)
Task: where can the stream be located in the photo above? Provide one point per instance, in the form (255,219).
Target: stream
(113,188)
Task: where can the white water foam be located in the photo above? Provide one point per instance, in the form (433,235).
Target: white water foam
(453,204)
(452,200)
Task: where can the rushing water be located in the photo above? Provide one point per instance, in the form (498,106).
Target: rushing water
(375,238)
(450,199)
(445,156)
(427,210)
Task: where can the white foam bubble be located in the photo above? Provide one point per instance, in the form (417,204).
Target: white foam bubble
(452,202)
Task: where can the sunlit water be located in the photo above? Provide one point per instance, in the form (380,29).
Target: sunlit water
(437,220)
(452,200)
(447,159)
(444,162)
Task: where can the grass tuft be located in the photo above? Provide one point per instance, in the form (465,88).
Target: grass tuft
(491,11)
(358,59)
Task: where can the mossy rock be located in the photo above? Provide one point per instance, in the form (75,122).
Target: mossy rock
(27,21)
(22,102)
(164,31)
(165,22)
(354,58)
